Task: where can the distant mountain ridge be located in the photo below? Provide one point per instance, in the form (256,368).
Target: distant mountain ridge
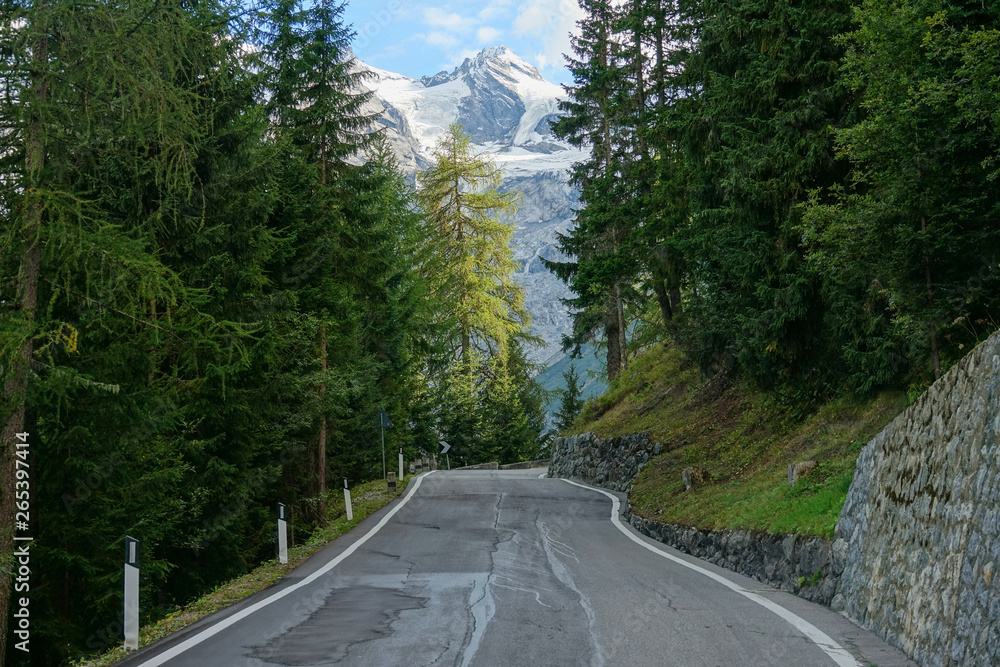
(506,106)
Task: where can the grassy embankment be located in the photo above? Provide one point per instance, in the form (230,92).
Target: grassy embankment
(742,439)
(365,499)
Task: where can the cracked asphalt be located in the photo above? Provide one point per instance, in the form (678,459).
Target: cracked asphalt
(486,568)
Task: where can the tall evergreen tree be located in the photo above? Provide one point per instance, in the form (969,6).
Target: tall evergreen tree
(600,267)
(908,233)
(571,404)
(765,98)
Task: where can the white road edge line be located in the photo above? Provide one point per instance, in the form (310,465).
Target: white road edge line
(543,475)
(822,640)
(193,641)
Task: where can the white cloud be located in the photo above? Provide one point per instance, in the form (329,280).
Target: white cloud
(488,35)
(442,39)
(494,9)
(552,21)
(435,17)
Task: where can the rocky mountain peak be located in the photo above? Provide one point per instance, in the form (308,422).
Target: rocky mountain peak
(506,106)
(491,63)
(501,59)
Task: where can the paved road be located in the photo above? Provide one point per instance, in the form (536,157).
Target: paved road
(507,568)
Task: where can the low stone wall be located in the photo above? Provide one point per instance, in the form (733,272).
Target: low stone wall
(492,465)
(612,463)
(921,524)
(809,568)
(525,465)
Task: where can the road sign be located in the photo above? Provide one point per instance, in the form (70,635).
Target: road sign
(383,419)
(444,446)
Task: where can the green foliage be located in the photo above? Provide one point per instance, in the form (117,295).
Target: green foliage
(571,403)
(801,193)
(203,232)
(467,261)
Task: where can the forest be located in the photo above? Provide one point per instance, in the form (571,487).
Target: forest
(799,192)
(213,277)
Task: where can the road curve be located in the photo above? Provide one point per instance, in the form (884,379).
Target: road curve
(487,568)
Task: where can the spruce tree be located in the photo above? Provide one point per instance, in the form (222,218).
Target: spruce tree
(907,234)
(570,404)
(599,270)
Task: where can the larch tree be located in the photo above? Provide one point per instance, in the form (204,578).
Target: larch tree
(468,265)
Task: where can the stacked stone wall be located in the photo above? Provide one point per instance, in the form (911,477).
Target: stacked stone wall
(612,463)
(921,525)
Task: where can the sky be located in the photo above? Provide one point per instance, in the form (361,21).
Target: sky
(424,37)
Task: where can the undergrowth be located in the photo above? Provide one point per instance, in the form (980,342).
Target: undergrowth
(742,440)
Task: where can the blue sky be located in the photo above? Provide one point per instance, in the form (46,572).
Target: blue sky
(418,37)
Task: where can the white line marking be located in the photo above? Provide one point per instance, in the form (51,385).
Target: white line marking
(822,640)
(239,616)
(543,475)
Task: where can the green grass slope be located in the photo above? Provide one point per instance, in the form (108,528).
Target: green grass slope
(742,440)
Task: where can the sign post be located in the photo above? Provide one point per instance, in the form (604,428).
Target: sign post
(347,501)
(400,463)
(282,534)
(444,450)
(131,593)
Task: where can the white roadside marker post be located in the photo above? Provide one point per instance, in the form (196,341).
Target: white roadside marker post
(282,534)
(347,501)
(400,463)
(131,593)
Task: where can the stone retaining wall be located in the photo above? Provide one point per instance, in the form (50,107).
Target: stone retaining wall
(492,465)
(807,567)
(921,525)
(612,463)
(525,465)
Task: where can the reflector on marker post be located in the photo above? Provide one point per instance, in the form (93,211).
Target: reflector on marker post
(347,501)
(131,593)
(282,534)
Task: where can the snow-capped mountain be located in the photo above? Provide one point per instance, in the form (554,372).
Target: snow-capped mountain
(506,106)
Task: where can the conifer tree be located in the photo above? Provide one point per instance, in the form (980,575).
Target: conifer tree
(907,235)
(468,264)
(601,265)
(570,404)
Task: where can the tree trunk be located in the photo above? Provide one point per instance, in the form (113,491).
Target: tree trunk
(935,354)
(27,286)
(612,334)
(321,445)
(663,299)
(660,71)
(622,329)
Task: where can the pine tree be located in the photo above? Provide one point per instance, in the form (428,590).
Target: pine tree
(764,99)
(571,404)
(88,253)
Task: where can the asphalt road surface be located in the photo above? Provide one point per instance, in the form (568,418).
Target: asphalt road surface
(508,568)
